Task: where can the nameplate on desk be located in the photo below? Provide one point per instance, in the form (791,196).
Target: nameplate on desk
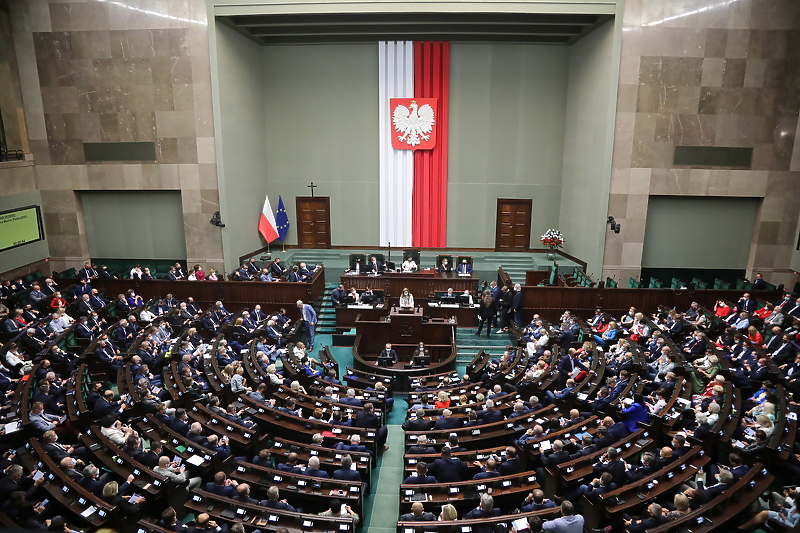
(359,306)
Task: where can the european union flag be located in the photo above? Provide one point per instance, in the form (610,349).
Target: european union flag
(281,220)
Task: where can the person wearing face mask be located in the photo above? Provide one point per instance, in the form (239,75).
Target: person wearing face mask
(409,265)
(406,299)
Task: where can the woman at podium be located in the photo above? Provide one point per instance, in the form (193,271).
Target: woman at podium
(406,299)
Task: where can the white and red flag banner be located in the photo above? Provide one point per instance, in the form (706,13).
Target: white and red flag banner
(415,80)
(266,222)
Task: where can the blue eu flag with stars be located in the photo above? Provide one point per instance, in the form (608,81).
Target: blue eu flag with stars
(281,220)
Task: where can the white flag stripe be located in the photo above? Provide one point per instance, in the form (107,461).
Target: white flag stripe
(396,72)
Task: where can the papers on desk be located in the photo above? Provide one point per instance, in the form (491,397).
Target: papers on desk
(582,396)
(89,511)
(546,446)
(359,306)
(195,460)
(11,427)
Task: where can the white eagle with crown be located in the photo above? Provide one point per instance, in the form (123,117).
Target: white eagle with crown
(413,124)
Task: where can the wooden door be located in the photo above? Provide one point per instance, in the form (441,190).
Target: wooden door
(513,225)
(313,222)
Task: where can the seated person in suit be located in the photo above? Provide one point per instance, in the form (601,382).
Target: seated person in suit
(313,468)
(421,477)
(375,266)
(421,446)
(409,265)
(388,355)
(535,501)
(273,501)
(447,421)
(444,267)
(346,473)
(485,509)
(418,514)
(489,470)
(448,469)
(354,446)
(277,269)
(464,267)
(222,485)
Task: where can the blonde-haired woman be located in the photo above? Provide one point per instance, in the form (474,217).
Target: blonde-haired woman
(448,513)
(272,374)
(442,400)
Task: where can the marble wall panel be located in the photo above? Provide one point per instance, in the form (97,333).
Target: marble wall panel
(710,74)
(110,72)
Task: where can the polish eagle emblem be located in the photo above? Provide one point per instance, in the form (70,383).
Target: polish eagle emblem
(413,121)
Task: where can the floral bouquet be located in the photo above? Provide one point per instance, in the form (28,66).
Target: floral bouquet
(552,239)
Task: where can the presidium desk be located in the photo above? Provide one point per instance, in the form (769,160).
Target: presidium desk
(424,285)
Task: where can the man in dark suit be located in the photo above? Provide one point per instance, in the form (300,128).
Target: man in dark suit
(195,434)
(313,468)
(587,447)
(485,509)
(566,366)
(448,469)
(354,446)
(346,473)
(612,464)
(447,421)
(512,464)
(375,266)
(368,419)
(106,406)
(277,269)
(290,465)
(489,414)
(14,481)
(294,275)
(243,495)
(488,471)
(635,473)
(338,295)
(654,519)
(387,354)
(274,503)
(421,447)
(418,514)
(464,267)
(179,423)
(421,476)
(559,455)
(417,421)
(725,481)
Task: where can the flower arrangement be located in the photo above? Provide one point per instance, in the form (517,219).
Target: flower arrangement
(552,239)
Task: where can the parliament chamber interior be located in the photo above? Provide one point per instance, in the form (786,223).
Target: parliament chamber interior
(399,267)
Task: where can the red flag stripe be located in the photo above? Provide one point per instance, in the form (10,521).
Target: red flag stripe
(431,80)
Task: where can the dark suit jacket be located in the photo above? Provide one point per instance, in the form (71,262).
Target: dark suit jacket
(448,423)
(417,424)
(367,420)
(347,475)
(448,470)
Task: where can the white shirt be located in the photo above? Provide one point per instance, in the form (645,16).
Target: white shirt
(408,266)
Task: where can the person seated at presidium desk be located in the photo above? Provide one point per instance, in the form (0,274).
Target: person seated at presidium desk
(387,356)
(421,356)
(464,267)
(444,267)
(375,266)
(409,265)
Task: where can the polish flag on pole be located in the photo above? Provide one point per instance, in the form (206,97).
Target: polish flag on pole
(266,224)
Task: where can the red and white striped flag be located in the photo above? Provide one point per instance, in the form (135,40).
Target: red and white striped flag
(413,183)
(266,223)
